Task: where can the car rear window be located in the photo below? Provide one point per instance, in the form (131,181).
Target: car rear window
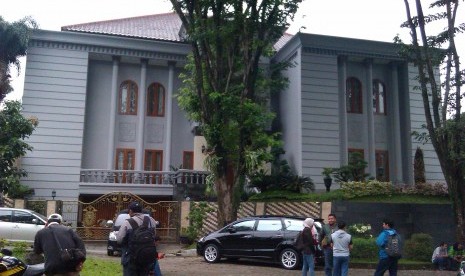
(269,225)
(5,215)
(293,224)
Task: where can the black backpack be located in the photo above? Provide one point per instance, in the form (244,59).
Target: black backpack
(299,242)
(393,246)
(142,249)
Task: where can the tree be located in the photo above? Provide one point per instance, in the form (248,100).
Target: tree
(419,167)
(442,107)
(225,88)
(14,128)
(14,38)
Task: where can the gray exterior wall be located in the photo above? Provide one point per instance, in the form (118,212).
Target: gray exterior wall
(98,116)
(320,116)
(290,115)
(68,88)
(433,172)
(55,92)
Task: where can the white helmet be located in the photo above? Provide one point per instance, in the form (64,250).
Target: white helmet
(55,218)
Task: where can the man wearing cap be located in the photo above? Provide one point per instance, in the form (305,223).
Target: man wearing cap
(309,248)
(45,243)
(123,236)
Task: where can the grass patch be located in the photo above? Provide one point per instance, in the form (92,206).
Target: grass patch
(99,266)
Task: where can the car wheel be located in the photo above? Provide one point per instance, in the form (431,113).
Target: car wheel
(211,253)
(289,258)
(110,252)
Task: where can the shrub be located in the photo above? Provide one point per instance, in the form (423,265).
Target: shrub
(197,214)
(371,187)
(419,166)
(364,248)
(419,247)
(354,171)
(281,177)
(429,189)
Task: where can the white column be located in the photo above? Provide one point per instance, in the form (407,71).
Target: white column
(113,107)
(169,115)
(344,160)
(141,111)
(370,119)
(396,159)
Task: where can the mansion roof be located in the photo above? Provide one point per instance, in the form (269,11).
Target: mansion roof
(164,26)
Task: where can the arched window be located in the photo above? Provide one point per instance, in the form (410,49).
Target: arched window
(379,97)
(156,100)
(128,98)
(354,95)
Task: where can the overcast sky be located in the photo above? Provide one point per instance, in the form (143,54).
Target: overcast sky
(365,19)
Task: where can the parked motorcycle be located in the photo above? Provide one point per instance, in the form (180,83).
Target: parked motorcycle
(10,265)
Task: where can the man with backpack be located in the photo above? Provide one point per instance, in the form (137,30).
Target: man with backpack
(137,236)
(390,249)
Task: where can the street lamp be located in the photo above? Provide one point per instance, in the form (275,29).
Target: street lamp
(54,194)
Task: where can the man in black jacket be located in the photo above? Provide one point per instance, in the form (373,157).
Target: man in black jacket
(46,243)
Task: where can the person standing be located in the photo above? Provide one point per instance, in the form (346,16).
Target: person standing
(124,236)
(308,248)
(342,244)
(325,242)
(45,242)
(156,266)
(440,257)
(386,262)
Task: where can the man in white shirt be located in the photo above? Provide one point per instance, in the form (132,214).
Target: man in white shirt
(342,244)
(439,258)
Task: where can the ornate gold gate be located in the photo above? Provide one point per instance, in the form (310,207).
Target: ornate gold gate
(93,216)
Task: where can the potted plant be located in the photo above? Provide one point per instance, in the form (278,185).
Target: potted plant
(327,179)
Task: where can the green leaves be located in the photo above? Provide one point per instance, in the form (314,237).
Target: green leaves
(14,128)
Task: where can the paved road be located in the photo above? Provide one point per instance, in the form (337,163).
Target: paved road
(174,265)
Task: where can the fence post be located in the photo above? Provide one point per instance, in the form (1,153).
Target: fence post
(19,203)
(185,210)
(260,208)
(325,209)
(51,207)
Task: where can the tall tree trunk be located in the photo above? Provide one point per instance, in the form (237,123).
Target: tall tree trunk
(456,182)
(227,210)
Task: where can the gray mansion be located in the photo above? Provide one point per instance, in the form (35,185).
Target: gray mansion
(103,93)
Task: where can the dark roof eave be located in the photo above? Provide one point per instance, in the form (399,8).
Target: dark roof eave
(127,36)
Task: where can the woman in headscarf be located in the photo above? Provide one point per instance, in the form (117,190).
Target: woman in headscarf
(309,248)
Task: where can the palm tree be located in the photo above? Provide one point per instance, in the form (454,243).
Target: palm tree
(14,38)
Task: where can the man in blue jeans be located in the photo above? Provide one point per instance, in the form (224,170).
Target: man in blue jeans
(386,262)
(342,244)
(328,229)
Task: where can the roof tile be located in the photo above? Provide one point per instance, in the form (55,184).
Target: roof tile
(164,26)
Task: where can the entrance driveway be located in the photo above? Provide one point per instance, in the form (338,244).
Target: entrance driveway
(190,264)
(172,266)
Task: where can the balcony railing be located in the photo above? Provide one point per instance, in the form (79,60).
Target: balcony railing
(143,177)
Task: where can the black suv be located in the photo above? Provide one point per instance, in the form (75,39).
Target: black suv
(263,237)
